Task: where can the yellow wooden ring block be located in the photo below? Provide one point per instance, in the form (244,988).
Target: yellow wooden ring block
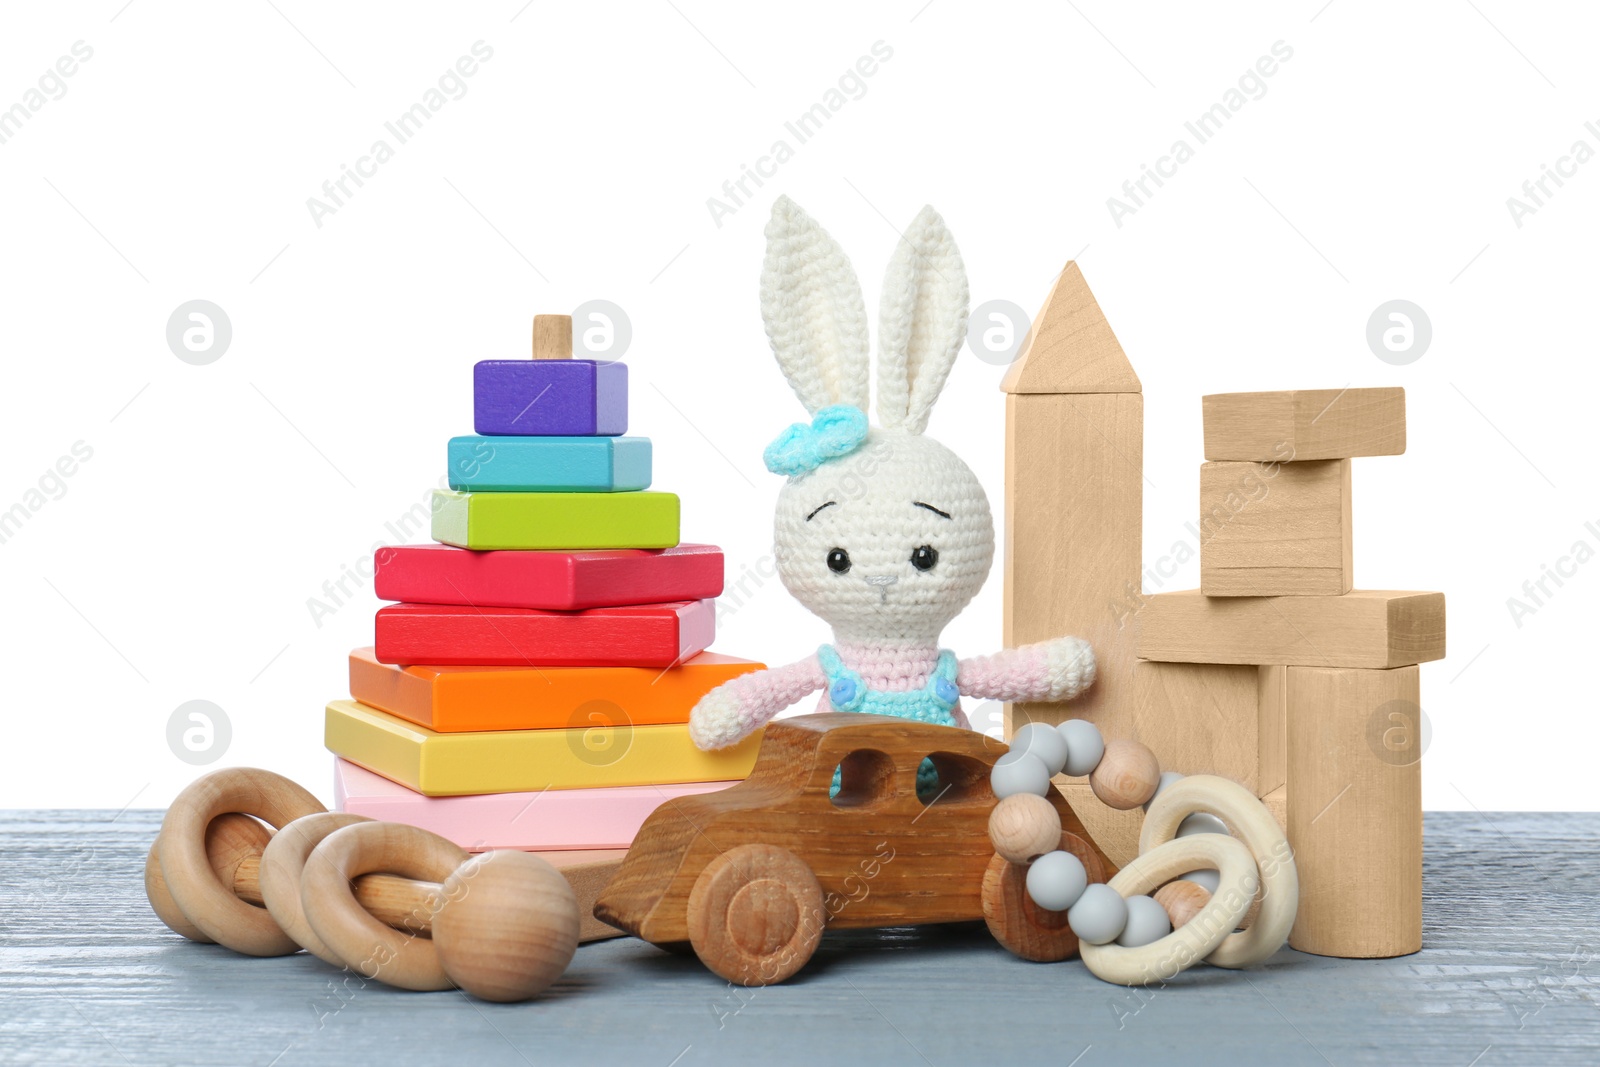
(282,863)
(1196,939)
(403,958)
(203,900)
(514,761)
(1250,822)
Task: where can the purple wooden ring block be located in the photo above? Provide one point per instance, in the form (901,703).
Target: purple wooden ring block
(550,397)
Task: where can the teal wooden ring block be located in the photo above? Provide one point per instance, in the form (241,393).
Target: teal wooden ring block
(549,464)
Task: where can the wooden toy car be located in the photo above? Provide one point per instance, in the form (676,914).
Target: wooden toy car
(751,875)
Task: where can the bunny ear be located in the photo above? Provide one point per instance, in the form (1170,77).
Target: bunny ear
(811,304)
(921,322)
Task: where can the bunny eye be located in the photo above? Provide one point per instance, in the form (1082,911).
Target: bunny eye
(838,560)
(923,557)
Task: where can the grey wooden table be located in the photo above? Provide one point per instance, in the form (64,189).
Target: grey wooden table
(1510,974)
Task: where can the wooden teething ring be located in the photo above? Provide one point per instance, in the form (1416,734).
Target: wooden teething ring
(207,904)
(1196,939)
(1248,821)
(282,864)
(373,950)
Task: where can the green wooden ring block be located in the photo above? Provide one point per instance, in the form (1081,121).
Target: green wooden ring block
(555,520)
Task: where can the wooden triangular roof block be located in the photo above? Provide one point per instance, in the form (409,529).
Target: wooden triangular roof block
(1071,348)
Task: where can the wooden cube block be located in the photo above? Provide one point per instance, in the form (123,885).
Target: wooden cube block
(1364,628)
(552,337)
(550,397)
(1280,529)
(1355,810)
(549,464)
(454,699)
(513,761)
(559,819)
(646,519)
(1305,424)
(646,635)
(554,581)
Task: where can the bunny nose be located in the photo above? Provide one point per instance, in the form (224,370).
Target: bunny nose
(882,582)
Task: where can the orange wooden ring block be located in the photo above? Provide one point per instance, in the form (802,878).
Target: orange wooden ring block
(456,699)
(186,870)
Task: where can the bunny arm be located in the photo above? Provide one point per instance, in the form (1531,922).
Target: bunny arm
(1058,669)
(737,708)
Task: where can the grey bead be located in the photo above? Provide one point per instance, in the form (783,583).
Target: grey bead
(1019,772)
(1044,741)
(1201,822)
(1147,923)
(1099,915)
(1056,880)
(1167,778)
(1207,880)
(1085,746)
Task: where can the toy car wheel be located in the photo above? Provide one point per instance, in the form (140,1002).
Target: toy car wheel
(1020,925)
(755,914)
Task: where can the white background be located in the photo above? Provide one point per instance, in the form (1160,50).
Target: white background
(219,498)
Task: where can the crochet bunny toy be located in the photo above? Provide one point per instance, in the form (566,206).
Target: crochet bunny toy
(885,534)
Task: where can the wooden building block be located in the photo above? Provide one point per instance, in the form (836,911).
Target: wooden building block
(1277,802)
(1070,348)
(1198,718)
(456,699)
(1364,628)
(555,520)
(1074,514)
(1115,832)
(644,635)
(1278,529)
(1305,424)
(550,397)
(552,337)
(1074,505)
(1355,810)
(556,819)
(549,464)
(1272,733)
(555,581)
(526,761)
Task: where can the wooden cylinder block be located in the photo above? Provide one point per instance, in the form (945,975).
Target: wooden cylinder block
(1355,809)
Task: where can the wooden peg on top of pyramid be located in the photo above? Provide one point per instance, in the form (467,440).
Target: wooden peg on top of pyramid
(552,337)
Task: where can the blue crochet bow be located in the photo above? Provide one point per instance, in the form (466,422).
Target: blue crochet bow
(836,430)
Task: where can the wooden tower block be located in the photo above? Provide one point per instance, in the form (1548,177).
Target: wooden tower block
(1074,496)
(552,337)
(1364,628)
(1275,530)
(1305,424)
(1355,810)
(1074,508)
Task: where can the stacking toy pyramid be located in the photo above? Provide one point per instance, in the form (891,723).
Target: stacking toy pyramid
(531,688)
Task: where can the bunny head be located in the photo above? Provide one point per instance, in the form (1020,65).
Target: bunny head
(883,533)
